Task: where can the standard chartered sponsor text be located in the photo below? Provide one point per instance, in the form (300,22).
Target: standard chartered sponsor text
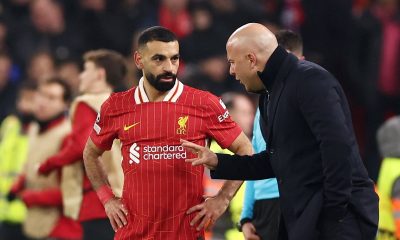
(166,152)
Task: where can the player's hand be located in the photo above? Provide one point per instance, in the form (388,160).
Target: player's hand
(208,211)
(249,231)
(116,212)
(44,168)
(204,155)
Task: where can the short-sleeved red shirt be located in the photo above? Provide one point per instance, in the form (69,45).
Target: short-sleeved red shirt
(159,186)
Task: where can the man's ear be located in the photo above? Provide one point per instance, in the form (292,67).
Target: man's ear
(137,57)
(102,73)
(253,59)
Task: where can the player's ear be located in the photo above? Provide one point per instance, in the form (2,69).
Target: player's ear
(138,60)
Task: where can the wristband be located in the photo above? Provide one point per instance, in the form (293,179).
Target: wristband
(105,194)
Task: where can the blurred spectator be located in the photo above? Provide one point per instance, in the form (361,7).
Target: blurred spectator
(211,74)
(16,9)
(104,70)
(42,194)
(328,36)
(241,110)
(140,14)
(388,137)
(377,62)
(8,89)
(3,36)
(173,14)
(48,29)
(204,52)
(13,152)
(229,15)
(70,70)
(292,16)
(41,67)
(105,25)
(205,40)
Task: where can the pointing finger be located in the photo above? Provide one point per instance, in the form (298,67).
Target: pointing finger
(191,146)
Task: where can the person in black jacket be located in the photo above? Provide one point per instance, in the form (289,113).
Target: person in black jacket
(325,189)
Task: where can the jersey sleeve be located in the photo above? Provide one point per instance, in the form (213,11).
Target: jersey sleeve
(220,125)
(75,143)
(104,131)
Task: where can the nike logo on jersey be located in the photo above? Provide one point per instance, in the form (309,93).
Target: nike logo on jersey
(126,128)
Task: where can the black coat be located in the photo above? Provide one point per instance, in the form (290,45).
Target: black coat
(312,151)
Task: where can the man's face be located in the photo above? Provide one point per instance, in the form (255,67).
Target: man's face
(159,62)
(88,77)
(26,105)
(241,68)
(26,101)
(243,114)
(49,101)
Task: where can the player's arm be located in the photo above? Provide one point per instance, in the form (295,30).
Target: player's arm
(91,157)
(214,207)
(103,134)
(113,206)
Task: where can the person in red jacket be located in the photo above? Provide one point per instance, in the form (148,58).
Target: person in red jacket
(104,70)
(42,194)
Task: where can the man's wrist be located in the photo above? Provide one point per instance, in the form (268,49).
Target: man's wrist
(242,222)
(229,189)
(105,194)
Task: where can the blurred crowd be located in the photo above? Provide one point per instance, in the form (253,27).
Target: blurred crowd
(358,41)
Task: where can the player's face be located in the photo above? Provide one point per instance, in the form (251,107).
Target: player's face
(49,102)
(88,77)
(241,68)
(160,63)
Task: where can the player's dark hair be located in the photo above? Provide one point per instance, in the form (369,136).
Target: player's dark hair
(67,91)
(27,86)
(112,62)
(290,40)
(156,33)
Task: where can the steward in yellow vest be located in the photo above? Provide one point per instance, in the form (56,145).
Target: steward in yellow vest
(389,180)
(13,151)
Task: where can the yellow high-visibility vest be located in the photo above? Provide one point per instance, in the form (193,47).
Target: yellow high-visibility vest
(389,173)
(13,151)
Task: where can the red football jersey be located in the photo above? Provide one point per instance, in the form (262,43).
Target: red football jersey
(159,186)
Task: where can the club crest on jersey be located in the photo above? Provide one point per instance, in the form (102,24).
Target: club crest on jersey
(182,125)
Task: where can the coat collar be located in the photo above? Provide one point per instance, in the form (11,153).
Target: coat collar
(272,67)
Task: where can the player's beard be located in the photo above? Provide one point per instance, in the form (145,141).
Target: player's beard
(156,82)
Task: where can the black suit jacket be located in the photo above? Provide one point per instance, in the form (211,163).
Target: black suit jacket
(312,150)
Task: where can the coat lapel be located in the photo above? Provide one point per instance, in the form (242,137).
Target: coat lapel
(263,104)
(277,92)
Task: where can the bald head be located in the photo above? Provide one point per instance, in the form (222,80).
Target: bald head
(254,38)
(248,50)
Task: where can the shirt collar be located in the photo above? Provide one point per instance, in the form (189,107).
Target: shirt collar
(172,95)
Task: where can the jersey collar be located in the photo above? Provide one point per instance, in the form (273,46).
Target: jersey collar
(172,95)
